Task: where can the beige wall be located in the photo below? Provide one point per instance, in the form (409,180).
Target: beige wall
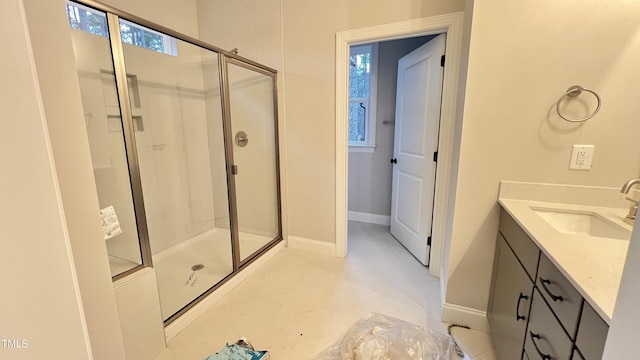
(251,26)
(40,293)
(309,54)
(523,56)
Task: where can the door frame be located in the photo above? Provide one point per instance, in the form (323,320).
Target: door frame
(452,25)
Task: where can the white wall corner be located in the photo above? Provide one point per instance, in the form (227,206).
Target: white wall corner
(475,319)
(369,218)
(314,246)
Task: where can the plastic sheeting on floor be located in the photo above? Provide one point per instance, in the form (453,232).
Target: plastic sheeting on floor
(380,337)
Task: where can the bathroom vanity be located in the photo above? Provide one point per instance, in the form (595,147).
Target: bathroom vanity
(559,257)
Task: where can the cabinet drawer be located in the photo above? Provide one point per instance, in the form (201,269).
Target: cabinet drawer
(545,336)
(592,334)
(524,248)
(563,298)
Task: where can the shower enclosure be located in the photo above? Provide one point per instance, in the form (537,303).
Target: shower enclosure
(183,139)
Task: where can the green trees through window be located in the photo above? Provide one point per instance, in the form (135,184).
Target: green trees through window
(95,22)
(137,36)
(84,19)
(359,93)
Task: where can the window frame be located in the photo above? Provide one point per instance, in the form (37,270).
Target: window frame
(369,144)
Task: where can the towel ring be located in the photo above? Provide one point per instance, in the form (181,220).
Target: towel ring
(574,91)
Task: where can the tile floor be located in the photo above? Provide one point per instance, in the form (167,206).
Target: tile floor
(299,303)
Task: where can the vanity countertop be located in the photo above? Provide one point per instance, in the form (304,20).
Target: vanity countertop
(592,264)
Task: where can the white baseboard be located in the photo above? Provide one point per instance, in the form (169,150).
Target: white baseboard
(314,246)
(173,329)
(369,218)
(475,319)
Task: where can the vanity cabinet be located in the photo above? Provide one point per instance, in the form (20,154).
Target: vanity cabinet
(509,305)
(515,267)
(534,311)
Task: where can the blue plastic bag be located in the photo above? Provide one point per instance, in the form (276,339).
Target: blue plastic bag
(241,350)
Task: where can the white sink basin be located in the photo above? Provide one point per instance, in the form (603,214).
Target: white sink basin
(582,223)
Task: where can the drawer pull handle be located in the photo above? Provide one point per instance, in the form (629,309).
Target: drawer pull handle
(544,283)
(533,336)
(518,316)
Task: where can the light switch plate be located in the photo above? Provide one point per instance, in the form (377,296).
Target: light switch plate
(581,157)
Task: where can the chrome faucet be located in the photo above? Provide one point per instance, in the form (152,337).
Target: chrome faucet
(633,210)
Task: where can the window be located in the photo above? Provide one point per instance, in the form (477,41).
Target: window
(362,97)
(86,19)
(95,22)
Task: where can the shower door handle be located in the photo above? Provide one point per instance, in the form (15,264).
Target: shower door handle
(242,139)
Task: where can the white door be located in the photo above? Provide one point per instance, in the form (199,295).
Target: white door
(415,142)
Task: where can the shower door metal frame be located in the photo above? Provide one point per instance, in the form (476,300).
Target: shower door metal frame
(131,152)
(165,30)
(224,57)
(228,118)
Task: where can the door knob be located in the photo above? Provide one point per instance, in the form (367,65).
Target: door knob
(394,161)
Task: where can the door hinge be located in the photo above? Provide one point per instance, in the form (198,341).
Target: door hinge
(429,241)
(234,169)
(435,156)
(442,60)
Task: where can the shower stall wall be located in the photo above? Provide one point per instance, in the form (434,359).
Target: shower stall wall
(183,140)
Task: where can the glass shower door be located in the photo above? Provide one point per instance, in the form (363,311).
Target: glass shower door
(254,133)
(183,138)
(174,87)
(103,120)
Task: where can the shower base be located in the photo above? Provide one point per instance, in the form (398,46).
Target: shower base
(178,284)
